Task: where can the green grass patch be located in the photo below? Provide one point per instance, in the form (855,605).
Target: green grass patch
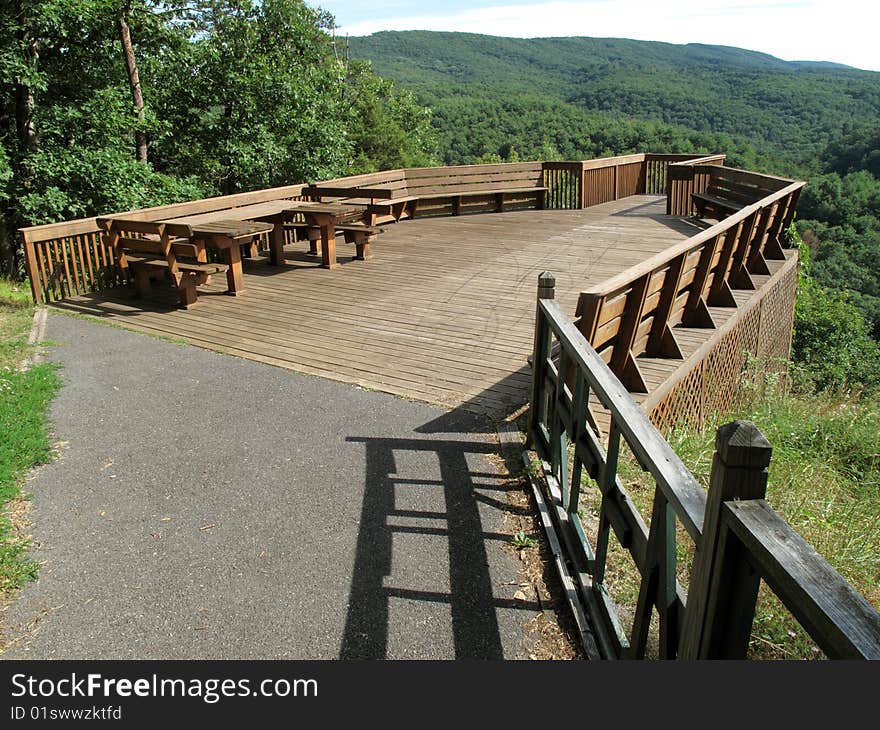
(24,400)
(824,480)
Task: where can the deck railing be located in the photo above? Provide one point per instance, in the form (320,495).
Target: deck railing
(738,538)
(71,258)
(634,312)
(583,183)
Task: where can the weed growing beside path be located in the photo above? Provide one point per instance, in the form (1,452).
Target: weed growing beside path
(824,480)
(24,440)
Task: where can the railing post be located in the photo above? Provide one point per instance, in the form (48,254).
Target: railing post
(33,271)
(723,587)
(537,407)
(546,285)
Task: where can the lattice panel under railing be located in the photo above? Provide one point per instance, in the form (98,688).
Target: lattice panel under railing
(763,329)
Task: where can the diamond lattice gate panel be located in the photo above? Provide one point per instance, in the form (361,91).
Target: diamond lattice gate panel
(709,382)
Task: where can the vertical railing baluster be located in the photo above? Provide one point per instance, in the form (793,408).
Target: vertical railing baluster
(538,413)
(607,478)
(666,583)
(579,423)
(558,429)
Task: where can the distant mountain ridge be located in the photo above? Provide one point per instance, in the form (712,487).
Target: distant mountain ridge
(790,109)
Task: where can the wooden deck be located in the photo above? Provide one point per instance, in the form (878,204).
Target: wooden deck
(443,313)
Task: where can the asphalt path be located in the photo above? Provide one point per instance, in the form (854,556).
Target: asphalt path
(209,507)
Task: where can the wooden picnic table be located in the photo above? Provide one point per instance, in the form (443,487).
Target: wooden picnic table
(324,216)
(227,235)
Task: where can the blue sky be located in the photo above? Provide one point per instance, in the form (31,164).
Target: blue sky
(844,31)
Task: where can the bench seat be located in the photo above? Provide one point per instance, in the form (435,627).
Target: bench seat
(360,234)
(705,202)
(146,267)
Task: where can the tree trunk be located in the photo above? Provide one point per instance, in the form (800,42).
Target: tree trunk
(134,82)
(26,130)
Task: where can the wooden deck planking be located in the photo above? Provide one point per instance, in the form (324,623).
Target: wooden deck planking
(444,312)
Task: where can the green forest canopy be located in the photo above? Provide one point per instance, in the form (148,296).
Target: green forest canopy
(576,98)
(237,95)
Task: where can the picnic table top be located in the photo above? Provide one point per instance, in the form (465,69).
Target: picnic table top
(268,209)
(231,228)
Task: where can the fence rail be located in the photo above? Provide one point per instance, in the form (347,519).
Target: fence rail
(634,312)
(583,183)
(713,618)
(71,258)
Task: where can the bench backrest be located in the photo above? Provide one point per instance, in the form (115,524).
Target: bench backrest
(740,186)
(427,182)
(394,180)
(146,237)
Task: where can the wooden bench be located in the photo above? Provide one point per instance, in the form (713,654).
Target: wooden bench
(731,190)
(476,188)
(360,234)
(153,253)
(383,194)
(189,276)
(398,194)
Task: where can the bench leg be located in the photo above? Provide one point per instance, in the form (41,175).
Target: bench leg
(250,250)
(361,243)
(314,235)
(186,292)
(141,280)
(499,203)
(186,289)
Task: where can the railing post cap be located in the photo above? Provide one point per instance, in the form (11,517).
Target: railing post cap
(546,279)
(741,444)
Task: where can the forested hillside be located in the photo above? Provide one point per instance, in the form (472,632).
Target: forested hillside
(576,98)
(763,100)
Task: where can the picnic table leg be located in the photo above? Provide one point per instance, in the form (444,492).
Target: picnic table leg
(234,277)
(328,241)
(314,235)
(276,243)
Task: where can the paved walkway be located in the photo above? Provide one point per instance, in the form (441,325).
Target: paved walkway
(207,506)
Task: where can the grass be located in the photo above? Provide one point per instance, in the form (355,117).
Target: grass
(24,400)
(824,479)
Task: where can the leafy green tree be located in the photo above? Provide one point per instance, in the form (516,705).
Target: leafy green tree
(117,104)
(389,128)
(832,343)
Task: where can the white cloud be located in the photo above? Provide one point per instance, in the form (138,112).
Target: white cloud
(842,31)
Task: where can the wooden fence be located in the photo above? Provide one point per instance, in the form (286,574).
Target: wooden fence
(70,258)
(738,538)
(583,183)
(634,312)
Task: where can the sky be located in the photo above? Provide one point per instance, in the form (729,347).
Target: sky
(842,31)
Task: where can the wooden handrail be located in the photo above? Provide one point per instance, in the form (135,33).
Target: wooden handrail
(71,257)
(738,539)
(635,311)
(618,281)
